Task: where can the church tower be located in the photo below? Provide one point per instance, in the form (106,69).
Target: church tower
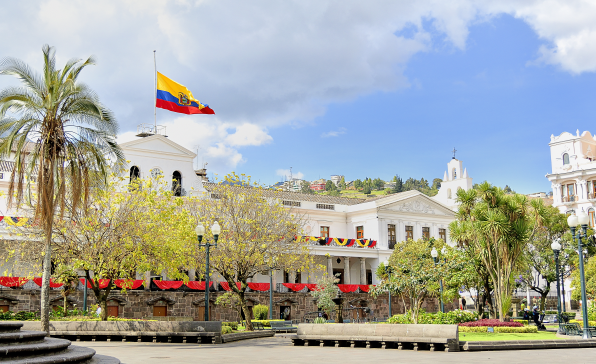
(454,178)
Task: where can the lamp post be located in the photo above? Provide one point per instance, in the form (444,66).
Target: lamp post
(573,221)
(435,254)
(200,231)
(556,247)
(85,294)
(388,270)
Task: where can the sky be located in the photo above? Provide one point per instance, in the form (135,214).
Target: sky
(361,89)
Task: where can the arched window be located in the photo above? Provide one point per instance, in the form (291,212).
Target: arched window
(135,174)
(177,183)
(449,193)
(565,159)
(591,217)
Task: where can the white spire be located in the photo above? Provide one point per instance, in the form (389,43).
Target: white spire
(465,173)
(445,177)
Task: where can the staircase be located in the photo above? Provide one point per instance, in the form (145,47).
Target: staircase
(20,347)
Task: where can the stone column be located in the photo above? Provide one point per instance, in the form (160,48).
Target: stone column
(192,274)
(362,270)
(347,270)
(147,280)
(292,277)
(329,266)
(311,276)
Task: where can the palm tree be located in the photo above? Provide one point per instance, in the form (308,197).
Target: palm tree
(62,140)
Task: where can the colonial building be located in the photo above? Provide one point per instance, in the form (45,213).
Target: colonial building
(349,236)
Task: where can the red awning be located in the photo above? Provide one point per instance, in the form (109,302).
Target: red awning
(259,286)
(12,281)
(226,286)
(128,283)
(38,281)
(168,284)
(199,286)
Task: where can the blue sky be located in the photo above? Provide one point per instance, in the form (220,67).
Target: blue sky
(337,87)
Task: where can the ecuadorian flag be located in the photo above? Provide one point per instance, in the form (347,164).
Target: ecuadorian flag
(175,97)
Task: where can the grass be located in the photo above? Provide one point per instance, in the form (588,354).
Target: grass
(485,336)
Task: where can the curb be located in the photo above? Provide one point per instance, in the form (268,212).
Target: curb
(227,338)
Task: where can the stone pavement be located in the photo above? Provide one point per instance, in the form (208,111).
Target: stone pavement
(278,349)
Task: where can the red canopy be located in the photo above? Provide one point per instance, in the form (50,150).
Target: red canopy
(347,288)
(128,283)
(226,286)
(295,286)
(52,284)
(103,283)
(12,281)
(259,286)
(199,286)
(168,284)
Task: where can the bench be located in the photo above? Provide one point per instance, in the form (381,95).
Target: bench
(285,326)
(416,337)
(574,329)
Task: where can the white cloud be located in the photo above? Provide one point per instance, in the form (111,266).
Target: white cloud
(261,64)
(334,133)
(289,174)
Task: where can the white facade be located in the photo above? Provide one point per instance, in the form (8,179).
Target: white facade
(454,178)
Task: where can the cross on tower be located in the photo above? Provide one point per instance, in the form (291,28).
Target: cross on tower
(454,150)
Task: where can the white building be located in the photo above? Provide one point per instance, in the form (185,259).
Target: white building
(454,178)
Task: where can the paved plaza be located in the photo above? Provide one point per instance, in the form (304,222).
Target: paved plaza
(279,350)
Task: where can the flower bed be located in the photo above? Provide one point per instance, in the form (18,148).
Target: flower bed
(491,323)
(439,318)
(501,329)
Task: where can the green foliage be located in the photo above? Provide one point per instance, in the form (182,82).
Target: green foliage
(226,330)
(581,322)
(447,318)
(17,316)
(260,312)
(366,190)
(326,291)
(590,275)
(319,320)
(265,323)
(330,186)
(399,184)
(305,188)
(342,183)
(233,325)
(502,330)
(358,184)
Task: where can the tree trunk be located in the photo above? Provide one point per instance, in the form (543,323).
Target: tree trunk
(65,308)
(45,281)
(246,312)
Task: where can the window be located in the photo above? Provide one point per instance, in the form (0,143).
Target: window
(177,183)
(324,231)
(1,175)
(339,274)
(565,159)
(425,233)
(325,207)
(359,232)
(454,173)
(443,234)
(391,235)
(568,192)
(449,193)
(409,232)
(368,276)
(591,217)
(287,277)
(291,203)
(216,196)
(135,174)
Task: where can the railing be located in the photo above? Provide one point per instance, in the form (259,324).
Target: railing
(332,243)
(570,198)
(591,196)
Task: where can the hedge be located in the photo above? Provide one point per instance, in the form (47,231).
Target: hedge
(502,330)
(233,325)
(266,323)
(491,323)
(581,322)
(226,330)
(447,318)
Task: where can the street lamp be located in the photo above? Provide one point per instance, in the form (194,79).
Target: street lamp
(271,270)
(200,231)
(388,271)
(556,247)
(435,254)
(573,221)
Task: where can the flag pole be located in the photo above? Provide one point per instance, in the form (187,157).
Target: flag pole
(155,100)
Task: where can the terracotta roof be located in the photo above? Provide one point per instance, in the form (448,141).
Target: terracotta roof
(297,196)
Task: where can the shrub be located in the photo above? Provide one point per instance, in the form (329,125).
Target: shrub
(523,322)
(447,318)
(233,325)
(226,330)
(319,320)
(491,323)
(17,316)
(260,312)
(266,323)
(472,329)
(580,322)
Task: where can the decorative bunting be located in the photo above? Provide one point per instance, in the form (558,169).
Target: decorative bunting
(168,284)
(261,287)
(103,283)
(128,283)
(196,285)
(38,281)
(295,286)
(226,286)
(364,288)
(12,281)
(348,288)
(363,243)
(312,287)
(15,221)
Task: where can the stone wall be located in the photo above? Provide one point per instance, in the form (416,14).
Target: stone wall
(140,303)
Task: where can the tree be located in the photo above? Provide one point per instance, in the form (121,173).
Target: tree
(378,184)
(330,186)
(497,228)
(230,300)
(357,184)
(305,188)
(121,233)
(415,276)
(257,234)
(539,257)
(436,183)
(69,279)
(342,183)
(366,190)
(398,184)
(326,291)
(74,136)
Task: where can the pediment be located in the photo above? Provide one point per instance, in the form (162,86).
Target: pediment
(420,204)
(156,144)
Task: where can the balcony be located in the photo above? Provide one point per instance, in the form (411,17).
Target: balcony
(591,196)
(570,198)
